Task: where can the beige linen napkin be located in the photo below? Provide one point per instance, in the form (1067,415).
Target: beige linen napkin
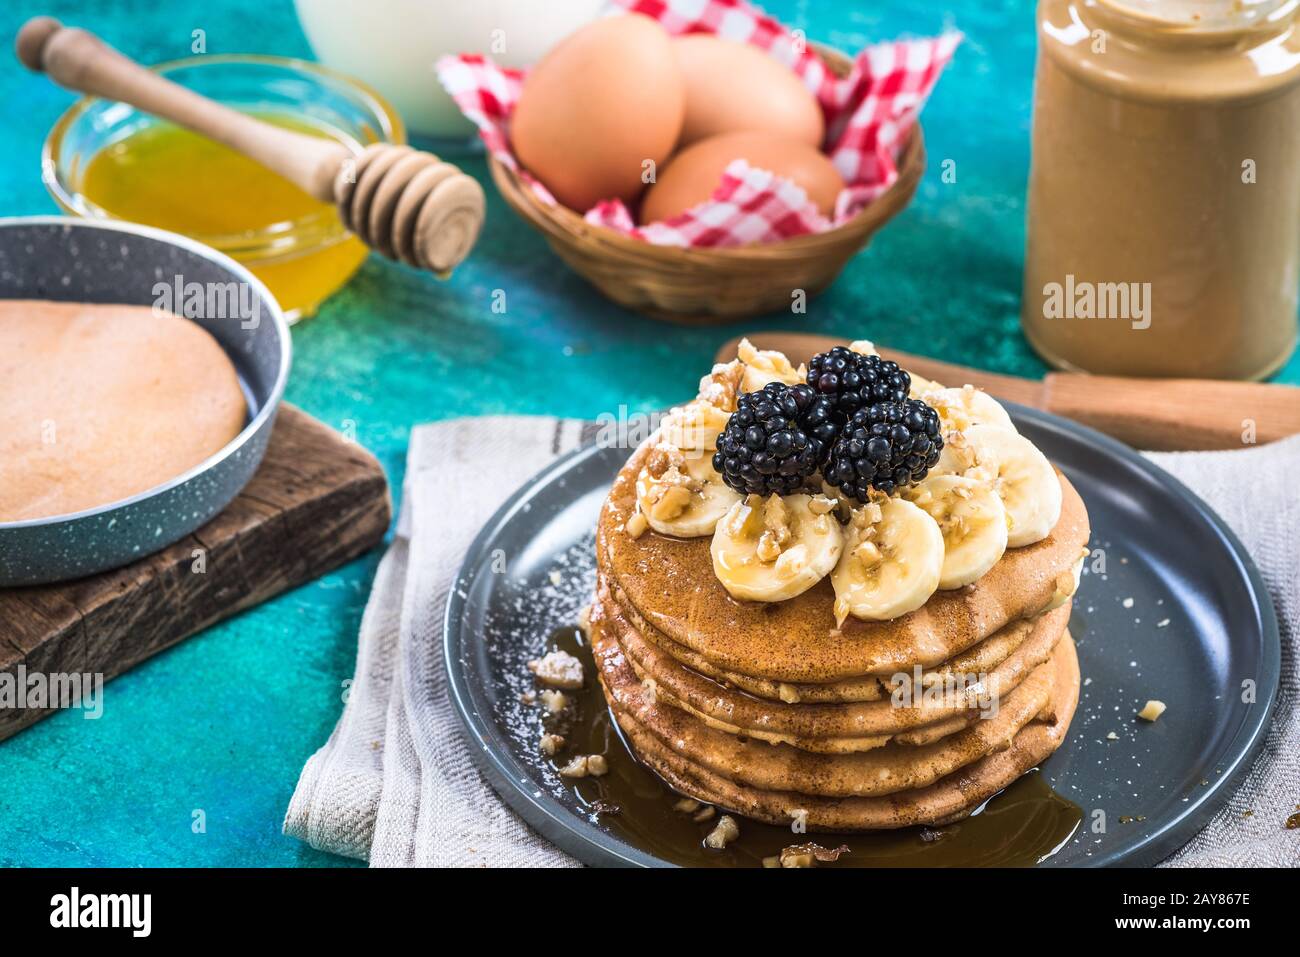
(394,783)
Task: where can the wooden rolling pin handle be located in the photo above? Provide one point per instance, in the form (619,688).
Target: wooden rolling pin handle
(1173,414)
(80,61)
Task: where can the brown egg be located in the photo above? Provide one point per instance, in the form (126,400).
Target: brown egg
(603,103)
(732,87)
(693,174)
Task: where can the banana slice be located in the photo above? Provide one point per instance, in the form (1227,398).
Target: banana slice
(774,548)
(921,387)
(891,563)
(763,366)
(973,521)
(1019,473)
(693,427)
(961,408)
(680,494)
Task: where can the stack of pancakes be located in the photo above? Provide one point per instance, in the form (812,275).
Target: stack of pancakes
(771,711)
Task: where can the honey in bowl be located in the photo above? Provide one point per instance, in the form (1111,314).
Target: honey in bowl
(166,176)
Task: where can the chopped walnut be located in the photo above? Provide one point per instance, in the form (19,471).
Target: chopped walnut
(956,444)
(660,459)
(865,516)
(670,502)
(558,669)
(636,525)
(669,488)
(577,767)
(554,701)
(723,833)
(686,806)
(797,857)
(821,504)
(864,347)
(776,534)
(584,765)
(868,553)
(551,744)
(704,814)
(792,561)
(776,518)
(768,550)
(810,855)
(788,693)
(721,387)
(1152,710)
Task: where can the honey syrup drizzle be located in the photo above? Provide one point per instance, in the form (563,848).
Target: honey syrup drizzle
(1023,825)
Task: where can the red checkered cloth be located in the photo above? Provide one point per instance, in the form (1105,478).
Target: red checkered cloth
(868,115)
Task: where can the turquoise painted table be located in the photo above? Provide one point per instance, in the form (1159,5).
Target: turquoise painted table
(223,723)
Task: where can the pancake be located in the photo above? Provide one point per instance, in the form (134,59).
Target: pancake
(949,799)
(805,724)
(983,657)
(101,402)
(671,584)
(884,771)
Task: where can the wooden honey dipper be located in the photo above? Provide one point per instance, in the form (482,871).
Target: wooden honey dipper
(407,204)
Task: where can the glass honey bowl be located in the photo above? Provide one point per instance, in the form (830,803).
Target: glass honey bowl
(108,160)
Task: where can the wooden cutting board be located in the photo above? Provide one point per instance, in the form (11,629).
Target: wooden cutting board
(316,502)
(1160,414)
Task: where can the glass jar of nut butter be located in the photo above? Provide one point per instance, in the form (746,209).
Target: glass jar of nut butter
(1164,189)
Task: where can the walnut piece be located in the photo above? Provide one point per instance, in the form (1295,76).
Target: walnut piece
(554,701)
(822,504)
(723,833)
(721,387)
(636,525)
(670,488)
(551,744)
(558,669)
(663,457)
(810,854)
(584,765)
(1152,710)
(576,768)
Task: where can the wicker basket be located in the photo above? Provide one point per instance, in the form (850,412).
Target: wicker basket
(710,286)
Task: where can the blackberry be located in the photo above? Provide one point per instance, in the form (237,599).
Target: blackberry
(816,417)
(886,446)
(775,440)
(853,381)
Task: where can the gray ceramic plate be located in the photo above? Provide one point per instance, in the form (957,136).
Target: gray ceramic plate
(1198,625)
(50,257)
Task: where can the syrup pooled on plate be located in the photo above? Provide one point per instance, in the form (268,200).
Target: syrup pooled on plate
(1023,825)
